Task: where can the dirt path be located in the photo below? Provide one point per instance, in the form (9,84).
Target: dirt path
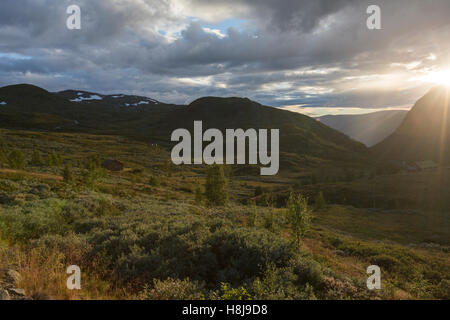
(32,174)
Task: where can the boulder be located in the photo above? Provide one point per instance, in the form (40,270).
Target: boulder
(112,165)
(13,276)
(4,295)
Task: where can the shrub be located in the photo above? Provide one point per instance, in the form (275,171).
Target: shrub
(251,218)
(154,181)
(258,191)
(385,262)
(36,158)
(216,186)
(319,202)
(54,159)
(278,284)
(67,173)
(309,271)
(9,186)
(35,219)
(3,157)
(269,220)
(229,293)
(198,195)
(89,176)
(442,290)
(93,162)
(16,159)
(203,249)
(173,289)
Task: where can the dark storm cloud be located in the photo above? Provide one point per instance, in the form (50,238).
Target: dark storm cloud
(286,15)
(287,52)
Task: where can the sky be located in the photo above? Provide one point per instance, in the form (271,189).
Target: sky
(315,56)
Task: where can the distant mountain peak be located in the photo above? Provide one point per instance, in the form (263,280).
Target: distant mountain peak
(215,102)
(425,132)
(23,88)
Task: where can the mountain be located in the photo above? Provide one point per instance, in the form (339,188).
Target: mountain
(114,100)
(302,139)
(425,132)
(26,106)
(369,128)
(299,134)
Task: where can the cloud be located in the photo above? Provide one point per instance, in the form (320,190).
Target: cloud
(293,52)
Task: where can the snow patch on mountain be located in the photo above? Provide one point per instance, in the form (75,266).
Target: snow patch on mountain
(141,102)
(92,97)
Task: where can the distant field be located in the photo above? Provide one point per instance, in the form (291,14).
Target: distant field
(405,227)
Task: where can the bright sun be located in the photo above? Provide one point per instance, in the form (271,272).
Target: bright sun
(440,77)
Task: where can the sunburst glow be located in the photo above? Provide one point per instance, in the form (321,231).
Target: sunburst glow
(440,77)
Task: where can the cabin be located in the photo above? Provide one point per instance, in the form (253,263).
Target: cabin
(113,165)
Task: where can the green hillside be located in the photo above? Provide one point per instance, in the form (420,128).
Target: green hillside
(304,142)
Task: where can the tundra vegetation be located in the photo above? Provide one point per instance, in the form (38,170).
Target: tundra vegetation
(159,231)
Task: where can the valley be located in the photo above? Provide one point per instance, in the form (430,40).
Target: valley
(151,231)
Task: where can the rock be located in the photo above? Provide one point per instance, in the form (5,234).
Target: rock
(4,295)
(19,292)
(340,253)
(13,276)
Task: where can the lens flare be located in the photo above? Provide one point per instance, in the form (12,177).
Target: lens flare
(440,77)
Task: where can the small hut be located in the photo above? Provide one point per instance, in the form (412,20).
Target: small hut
(112,165)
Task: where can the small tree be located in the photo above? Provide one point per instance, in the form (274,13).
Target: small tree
(251,219)
(216,186)
(67,174)
(57,159)
(319,202)
(269,218)
(154,181)
(3,146)
(50,161)
(258,191)
(198,195)
(16,159)
(3,157)
(298,216)
(36,158)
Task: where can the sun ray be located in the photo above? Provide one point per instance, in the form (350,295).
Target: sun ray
(439,77)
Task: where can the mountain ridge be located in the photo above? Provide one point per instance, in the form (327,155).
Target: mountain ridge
(302,137)
(425,132)
(370,128)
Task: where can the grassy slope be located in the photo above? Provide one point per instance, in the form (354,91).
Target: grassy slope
(343,239)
